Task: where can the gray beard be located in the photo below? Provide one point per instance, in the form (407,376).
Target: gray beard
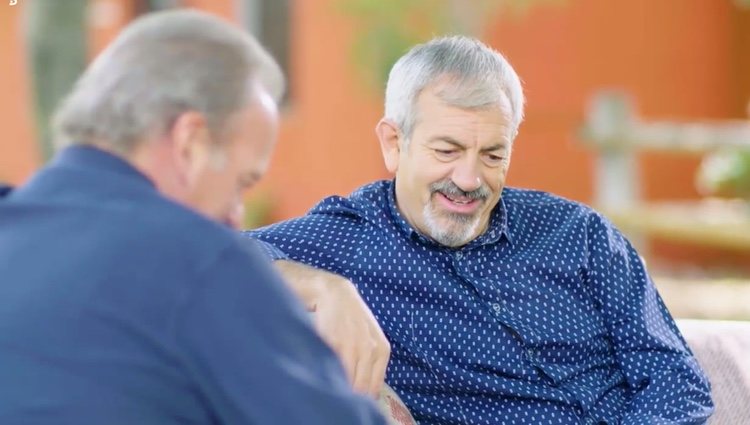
(458,233)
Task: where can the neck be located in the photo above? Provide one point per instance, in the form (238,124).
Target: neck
(155,159)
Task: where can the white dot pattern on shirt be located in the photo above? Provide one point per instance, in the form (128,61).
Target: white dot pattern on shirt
(549,318)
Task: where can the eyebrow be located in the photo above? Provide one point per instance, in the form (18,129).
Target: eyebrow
(456,143)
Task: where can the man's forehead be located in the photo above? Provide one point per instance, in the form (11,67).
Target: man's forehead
(434,98)
(443,122)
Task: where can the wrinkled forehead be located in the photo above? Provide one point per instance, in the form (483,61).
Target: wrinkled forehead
(469,92)
(437,109)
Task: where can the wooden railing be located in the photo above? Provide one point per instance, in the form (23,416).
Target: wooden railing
(616,134)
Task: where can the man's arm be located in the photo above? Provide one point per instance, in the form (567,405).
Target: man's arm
(668,384)
(254,354)
(344,321)
(326,241)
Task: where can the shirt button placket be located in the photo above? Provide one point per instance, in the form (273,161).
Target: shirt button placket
(531,355)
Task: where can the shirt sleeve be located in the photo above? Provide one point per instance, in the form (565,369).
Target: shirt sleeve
(326,238)
(667,383)
(254,354)
(272,252)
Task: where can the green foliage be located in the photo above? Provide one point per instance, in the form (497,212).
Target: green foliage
(56,39)
(259,210)
(388,28)
(726,173)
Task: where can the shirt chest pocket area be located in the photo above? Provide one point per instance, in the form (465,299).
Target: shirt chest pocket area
(559,322)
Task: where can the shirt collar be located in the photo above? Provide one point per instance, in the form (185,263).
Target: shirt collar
(5,190)
(90,157)
(498,223)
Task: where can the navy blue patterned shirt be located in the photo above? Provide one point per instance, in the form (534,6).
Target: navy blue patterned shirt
(549,317)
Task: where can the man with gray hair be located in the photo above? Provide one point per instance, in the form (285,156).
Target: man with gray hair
(498,305)
(125,298)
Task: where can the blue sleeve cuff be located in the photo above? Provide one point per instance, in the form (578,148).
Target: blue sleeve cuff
(269,250)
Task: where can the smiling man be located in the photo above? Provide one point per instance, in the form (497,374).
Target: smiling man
(499,305)
(450,180)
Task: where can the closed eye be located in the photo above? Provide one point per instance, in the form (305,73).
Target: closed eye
(248,180)
(446,154)
(493,160)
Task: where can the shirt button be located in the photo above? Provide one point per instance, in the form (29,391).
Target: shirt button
(497,307)
(459,255)
(531,354)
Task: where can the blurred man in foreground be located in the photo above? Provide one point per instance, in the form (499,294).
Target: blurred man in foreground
(124,299)
(500,305)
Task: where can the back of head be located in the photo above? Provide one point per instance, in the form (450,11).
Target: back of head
(159,67)
(475,77)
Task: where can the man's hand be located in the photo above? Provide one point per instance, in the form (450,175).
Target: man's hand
(344,321)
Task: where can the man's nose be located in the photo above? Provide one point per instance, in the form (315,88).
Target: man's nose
(466,175)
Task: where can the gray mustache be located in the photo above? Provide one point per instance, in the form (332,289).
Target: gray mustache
(449,188)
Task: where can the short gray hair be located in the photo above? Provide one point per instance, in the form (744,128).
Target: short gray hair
(159,67)
(477,78)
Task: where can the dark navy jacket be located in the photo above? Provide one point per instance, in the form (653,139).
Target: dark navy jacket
(112,312)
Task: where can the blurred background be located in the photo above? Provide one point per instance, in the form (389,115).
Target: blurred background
(638,108)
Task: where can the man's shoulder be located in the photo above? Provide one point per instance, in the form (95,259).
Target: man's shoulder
(142,223)
(365,202)
(332,217)
(554,210)
(164,218)
(541,201)
(178,244)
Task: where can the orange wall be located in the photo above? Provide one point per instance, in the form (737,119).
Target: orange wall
(674,57)
(17,152)
(679,58)
(328,142)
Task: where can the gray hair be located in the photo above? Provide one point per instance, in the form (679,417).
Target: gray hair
(159,67)
(477,78)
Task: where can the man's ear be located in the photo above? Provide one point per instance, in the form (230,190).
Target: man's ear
(189,143)
(390,143)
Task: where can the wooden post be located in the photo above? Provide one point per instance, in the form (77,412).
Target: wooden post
(617,176)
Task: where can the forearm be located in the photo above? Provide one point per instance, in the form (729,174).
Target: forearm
(308,283)
(674,397)
(343,320)
(669,383)
(260,335)
(341,316)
